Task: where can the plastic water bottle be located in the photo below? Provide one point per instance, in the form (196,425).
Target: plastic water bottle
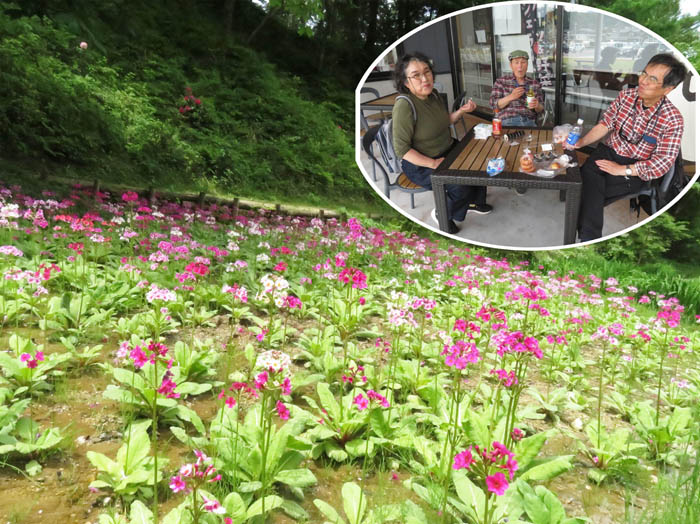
(575,133)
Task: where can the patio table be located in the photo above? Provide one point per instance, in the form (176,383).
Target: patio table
(466,165)
(384,103)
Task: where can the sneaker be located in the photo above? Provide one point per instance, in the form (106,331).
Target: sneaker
(480,209)
(452,228)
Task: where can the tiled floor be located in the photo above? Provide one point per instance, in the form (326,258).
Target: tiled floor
(532,220)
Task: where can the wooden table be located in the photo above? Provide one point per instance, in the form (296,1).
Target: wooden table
(466,165)
(383,103)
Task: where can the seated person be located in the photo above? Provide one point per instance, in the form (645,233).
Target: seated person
(604,75)
(644,131)
(509,94)
(422,139)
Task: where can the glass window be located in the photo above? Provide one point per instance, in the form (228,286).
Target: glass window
(474,37)
(601,56)
(387,63)
(531,28)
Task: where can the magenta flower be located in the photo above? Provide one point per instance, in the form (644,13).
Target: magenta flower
(361,402)
(512,466)
(497,483)
(463,460)
(177,484)
(286,386)
(167,386)
(130,196)
(212,506)
(282,411)
(261,380)
(373,395)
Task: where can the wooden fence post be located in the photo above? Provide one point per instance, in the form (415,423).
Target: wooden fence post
(95,189)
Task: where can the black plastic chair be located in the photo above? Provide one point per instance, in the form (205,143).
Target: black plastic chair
(401,181)
(365,119)
(650,189)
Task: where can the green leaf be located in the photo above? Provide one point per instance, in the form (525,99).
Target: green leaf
(469,493)
(476,427)
(679,420)
(358,447)
(549,469)
(271,502)
(300,478)
(528,448)
(354,502)
(140,514)
(412,513)
(379,425)
(597,475)
(328,400)
(189,415)
(33,468)
(235,507)
(328,511)
(295,511)
(554,506)
(534,507)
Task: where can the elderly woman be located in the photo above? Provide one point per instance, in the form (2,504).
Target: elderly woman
(422,136)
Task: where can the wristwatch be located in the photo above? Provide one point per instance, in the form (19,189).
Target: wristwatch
(628,171)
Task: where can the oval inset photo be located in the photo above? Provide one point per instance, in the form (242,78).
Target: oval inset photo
(529,126)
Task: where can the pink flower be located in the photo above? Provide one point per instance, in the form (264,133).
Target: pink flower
(497,483)
(230,402)
(361,402)
(83,45)
(130,196)
(361,300)
(286,386)
(261,380)
(282,411)
(463,460)
(212,506)
(512,466)
(24,357)
(517,435)
(177,484)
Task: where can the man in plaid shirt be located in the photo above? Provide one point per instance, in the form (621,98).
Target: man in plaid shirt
(644,138)
(509,94)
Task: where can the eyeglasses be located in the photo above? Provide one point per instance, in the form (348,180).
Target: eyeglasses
(652,80)
(425,74)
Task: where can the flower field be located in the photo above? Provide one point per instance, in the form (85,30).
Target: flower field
(162,362)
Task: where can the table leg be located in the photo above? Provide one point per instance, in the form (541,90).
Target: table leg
(440,196)
(571,208)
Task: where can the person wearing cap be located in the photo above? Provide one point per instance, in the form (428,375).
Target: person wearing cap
(642,131)
(509,94)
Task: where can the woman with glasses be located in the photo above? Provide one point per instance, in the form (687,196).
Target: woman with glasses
(644,131)
(422,139)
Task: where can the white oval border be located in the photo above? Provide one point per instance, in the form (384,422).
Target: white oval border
(358,138)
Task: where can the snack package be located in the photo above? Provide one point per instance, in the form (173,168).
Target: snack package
(559,133)
(527,161)
(495,166)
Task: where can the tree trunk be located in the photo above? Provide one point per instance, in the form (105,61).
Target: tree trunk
(372,13)
(269,15)
(229,10)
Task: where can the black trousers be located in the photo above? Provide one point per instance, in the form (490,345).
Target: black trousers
(459,197)
(599,185)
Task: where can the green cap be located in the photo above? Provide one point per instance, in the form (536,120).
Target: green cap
(518,54)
